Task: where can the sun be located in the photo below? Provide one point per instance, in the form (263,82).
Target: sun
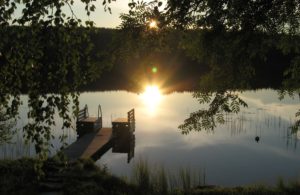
(153,24)
(151,98)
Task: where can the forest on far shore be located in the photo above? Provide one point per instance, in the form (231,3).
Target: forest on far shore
(130,59)
(178,69)
(122,60)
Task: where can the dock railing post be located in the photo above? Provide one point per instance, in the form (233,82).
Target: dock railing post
(131,120)
(100,115)
(86,111)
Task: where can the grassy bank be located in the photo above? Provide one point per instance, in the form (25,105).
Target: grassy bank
(27,176)
(18,176)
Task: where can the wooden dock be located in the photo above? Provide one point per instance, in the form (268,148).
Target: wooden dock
(90,145)
(86,124)
(94,140)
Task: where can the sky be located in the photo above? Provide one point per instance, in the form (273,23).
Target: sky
(102,18)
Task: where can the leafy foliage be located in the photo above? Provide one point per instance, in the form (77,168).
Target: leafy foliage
(140,39)
(141,14)
(46,49)
(293,93)
(291,83)
(142,45)
(41,51)
(220,103)
(235,39)
(6,128)
(273,16)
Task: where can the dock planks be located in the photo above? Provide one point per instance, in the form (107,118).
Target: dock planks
(120,120)
(90,120)
(93,140)
(90,145)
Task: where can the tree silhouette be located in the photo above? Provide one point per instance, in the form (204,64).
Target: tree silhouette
(219,103)
(45,50)
(48,52)
(236,38)
(272,16)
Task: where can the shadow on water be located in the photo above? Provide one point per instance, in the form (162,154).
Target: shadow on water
(123,136)
(122,139)
(123,143)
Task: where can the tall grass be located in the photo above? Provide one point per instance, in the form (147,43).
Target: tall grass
(141,175)
(158,180)
(292,187)
(151,179)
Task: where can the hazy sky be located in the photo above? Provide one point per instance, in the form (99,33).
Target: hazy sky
(102,18)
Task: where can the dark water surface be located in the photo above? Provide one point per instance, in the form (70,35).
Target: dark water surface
(228,156)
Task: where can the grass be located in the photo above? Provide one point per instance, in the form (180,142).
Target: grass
(84,177)
(158,180)
(18,176)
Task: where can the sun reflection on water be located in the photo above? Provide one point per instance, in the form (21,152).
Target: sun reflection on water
(151,98)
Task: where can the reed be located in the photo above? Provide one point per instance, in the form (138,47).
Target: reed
(159,180)
(141,175)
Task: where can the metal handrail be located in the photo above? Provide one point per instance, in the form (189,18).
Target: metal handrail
(86,111)
(99,111)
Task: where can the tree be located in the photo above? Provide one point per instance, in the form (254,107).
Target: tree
(46,49)
(46,53)
(272,16)
(219,104)
(235,38)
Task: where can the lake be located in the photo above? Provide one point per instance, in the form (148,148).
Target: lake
(229,155)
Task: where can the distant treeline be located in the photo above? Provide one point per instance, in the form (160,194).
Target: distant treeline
(178,65)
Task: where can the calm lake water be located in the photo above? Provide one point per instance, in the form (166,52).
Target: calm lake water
(228,156)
